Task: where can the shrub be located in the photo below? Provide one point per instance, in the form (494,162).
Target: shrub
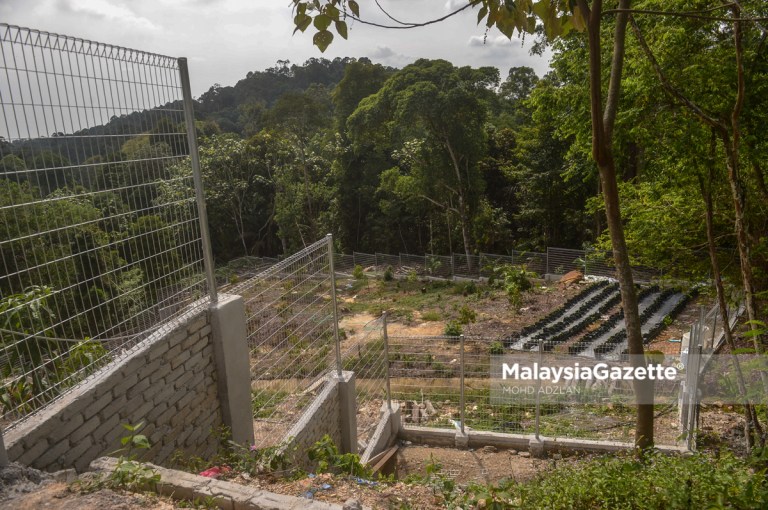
(453,328)
(496,348)
(389,274)
(466,315)
(514,280)
(328,459)
(431,316)
(662,482)
(358,273)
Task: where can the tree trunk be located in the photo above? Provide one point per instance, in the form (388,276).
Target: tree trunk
(463,213)
(602,136)
(751,423)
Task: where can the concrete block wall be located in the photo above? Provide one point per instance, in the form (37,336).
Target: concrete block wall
(385,434)
(168,381)
(319,419)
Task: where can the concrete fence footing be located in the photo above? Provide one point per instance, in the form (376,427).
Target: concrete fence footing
(230,348)
(3,453)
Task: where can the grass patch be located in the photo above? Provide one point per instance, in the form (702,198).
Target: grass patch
(431,316)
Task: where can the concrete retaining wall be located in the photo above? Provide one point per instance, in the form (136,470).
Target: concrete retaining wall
(168,381)
(385,434)
(332,412)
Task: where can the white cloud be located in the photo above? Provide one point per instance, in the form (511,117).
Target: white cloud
(106,12)
(225,39)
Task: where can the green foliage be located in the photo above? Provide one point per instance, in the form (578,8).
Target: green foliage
(129,474)
(452,328)
(662,482)
(466,315)
(496,348)
(512,279)
(431,316)
(328,459)
(389,274)
(357,272)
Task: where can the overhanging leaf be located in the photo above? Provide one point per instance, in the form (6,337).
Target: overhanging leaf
(322,22)
(354,7)
(482,14)
(341,28)
(322,39)
(302,21)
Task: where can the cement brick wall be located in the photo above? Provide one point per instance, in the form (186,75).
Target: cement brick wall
(320,418)
(168,381)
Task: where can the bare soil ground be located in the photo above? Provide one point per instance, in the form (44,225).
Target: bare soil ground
(25,488)
(422,308)
(486,465)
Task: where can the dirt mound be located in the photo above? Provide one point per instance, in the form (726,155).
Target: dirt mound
(571,277)
(16,479)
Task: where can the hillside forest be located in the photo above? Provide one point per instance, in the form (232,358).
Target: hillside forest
(435,158)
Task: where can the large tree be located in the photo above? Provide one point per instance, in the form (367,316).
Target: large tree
(556,18)
(434,113)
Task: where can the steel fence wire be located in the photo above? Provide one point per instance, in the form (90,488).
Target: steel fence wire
(466,266)
(364,260)
(344,264)
(562,260)
(384,261)
(100,232)
(364,353)
(439,385)
(413,264)
(488,262)
(292,338)
(439,266)
(535,262)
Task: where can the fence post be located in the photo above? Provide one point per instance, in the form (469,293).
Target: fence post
(546,265)
(538,392)
(586,258)
(329,240)
(233,374)
(461,384)
(3,453)
(189,119)
(386,359)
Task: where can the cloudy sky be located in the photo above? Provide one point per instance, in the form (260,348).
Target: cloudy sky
(224,39)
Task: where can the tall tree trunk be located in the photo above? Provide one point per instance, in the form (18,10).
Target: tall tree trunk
(751,423)
(737,189)
(463,213)
(602,137)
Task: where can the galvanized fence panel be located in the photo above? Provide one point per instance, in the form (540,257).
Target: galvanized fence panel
(489,261)
(599,264)
(533,261)
(100,231)
(445,382)
(563,260)
(364,260)
(417,263)
(292,337)
(425,380)
(383,261)
(364,353)
(466,266)
(343,263)
(439,266)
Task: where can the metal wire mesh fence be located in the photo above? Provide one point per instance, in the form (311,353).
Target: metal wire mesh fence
(364,353)
(292,337)
(100,237)
(447,382)
(556,261)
